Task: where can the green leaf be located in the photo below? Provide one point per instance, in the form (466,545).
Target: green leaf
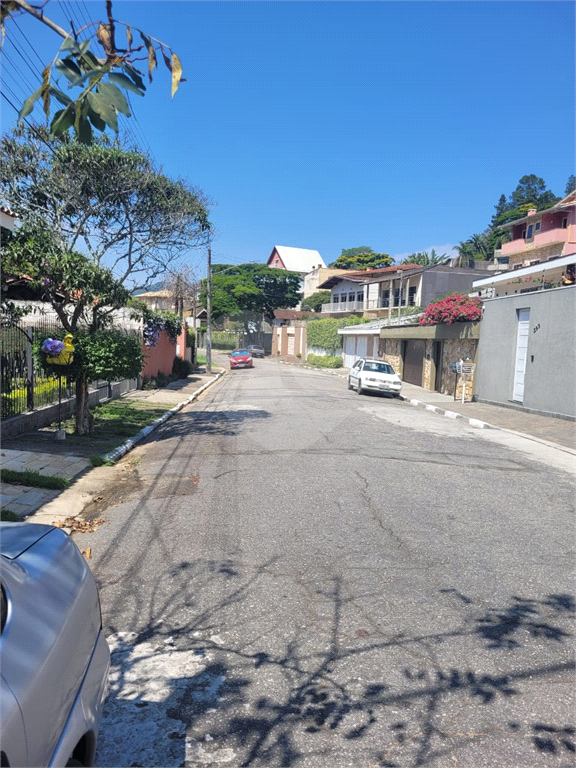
(114,96)
(59,96)
(126,83)
(84,133)
(63,120)
(84,47)
(104,109)
(28,105)
(68,68)
(79,81)
(96,120)
(89,60)
(70,45)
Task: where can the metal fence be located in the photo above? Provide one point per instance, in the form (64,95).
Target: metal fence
(25,385)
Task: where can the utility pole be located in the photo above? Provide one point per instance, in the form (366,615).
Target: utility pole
(209,313)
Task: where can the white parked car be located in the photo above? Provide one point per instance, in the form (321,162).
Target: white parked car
(367,375)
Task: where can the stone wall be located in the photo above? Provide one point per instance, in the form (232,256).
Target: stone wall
(544,252)
(390,350)
(454,350)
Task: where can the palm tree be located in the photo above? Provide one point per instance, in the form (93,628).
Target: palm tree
(465,254)
(424,259)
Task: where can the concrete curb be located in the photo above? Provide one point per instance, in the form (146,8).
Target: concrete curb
(123,449)
(449,414)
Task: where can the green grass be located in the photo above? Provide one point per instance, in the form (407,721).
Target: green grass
(9,517)
(35,479)
(99,461)
(114,422)
(200,359)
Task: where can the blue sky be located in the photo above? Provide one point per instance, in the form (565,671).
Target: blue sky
(330,125)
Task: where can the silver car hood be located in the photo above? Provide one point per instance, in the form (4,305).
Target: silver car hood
(16,538)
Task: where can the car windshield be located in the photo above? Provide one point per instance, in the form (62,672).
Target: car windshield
(378,367)
(240,353)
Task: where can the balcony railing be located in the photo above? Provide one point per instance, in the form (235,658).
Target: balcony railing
(344,306)
(548,237)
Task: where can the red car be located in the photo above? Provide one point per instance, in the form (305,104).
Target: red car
(241,358)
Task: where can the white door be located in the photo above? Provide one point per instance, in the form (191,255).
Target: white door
(348,349)
(361,346)
(521,355)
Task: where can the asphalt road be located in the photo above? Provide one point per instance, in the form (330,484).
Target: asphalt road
(295,575)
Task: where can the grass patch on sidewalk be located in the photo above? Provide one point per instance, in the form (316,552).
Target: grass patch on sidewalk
(34,479)
(7,516)
(114,422)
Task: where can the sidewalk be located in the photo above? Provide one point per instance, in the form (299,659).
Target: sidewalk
(39,451)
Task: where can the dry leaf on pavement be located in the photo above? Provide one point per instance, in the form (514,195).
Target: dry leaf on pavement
(79,524)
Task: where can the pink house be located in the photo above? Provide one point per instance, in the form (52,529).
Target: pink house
(301,260)
(542,235)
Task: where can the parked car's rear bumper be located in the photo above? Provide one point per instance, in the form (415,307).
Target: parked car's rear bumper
(86,712)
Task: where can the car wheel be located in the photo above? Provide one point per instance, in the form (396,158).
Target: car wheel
(349,384)
(359,390)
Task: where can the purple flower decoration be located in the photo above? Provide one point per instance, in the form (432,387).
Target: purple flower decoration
(52,347)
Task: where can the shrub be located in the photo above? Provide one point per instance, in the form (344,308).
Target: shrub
(455,308)
(325,361)
(181,368)
(149,383)
(161,379)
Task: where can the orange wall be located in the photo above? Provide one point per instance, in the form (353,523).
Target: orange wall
(161,357)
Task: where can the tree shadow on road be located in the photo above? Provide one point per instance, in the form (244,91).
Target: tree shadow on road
(219,422)
(247,700)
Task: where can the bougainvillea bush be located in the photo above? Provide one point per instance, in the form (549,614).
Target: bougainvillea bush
(456,308)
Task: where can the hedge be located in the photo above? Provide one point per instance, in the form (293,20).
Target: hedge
(325,361)
(324,333)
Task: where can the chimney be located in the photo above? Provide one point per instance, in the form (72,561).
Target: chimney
(531,212)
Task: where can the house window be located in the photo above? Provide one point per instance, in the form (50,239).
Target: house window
(412,296)
(524,234)
(565,222)
(530,231)
(335,299)
(360,296)
(537,226)
(384,300)
(396,296)
(351,297)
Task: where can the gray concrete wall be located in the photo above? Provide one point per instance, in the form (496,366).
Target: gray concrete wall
(440,280)
(550,378)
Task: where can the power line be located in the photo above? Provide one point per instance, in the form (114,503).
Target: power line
(15,23)
(24,59)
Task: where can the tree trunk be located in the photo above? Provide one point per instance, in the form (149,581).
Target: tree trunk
(84,419)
